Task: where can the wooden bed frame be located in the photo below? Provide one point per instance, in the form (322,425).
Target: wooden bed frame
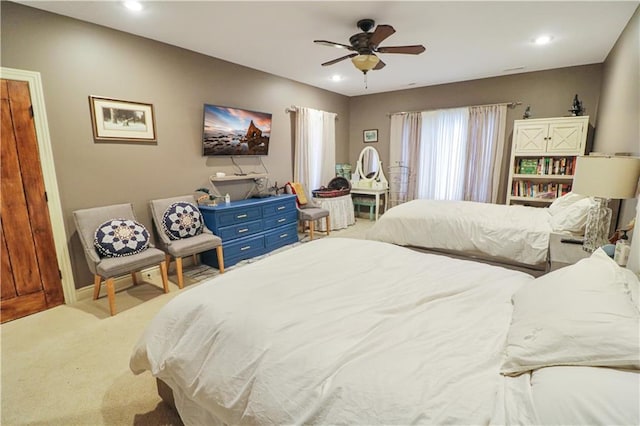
(166,393)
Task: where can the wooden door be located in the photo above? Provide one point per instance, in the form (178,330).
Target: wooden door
(29,279)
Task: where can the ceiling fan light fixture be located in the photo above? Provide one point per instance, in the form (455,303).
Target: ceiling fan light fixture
(365,62)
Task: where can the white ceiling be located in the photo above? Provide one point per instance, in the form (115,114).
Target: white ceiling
(465,40)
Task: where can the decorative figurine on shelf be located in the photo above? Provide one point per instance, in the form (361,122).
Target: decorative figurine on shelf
(576,108)
(208,199)
(527,112)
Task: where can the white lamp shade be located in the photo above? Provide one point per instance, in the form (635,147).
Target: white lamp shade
(607,177)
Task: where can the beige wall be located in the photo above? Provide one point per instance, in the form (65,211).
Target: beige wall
(618,125)
(550,94)
(77,59)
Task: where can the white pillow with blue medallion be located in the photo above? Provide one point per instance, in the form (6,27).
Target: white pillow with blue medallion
(121,237)
(182,220)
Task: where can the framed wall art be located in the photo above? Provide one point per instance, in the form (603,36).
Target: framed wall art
(122,121)
(370,135)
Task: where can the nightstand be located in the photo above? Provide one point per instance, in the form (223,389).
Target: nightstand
(563,254)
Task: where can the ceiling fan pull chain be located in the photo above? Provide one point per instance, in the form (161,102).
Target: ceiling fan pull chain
(366,86)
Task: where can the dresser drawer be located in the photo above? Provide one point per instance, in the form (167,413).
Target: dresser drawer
(243,248)
(239,230)
(279,207)
(280,219)
(281,236)
(233,216)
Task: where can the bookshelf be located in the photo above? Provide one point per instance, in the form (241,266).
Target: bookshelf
(543,157)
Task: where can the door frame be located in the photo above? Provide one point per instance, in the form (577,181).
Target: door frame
(49,175)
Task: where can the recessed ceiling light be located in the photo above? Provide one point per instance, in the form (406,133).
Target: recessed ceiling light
(133,5)
(543,39)
(336,77)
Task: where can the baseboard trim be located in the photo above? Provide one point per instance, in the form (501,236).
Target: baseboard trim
(150,274)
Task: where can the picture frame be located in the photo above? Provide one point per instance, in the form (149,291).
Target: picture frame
(118,120)
(370,135)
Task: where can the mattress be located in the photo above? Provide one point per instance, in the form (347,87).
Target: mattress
(511,233)
(336,331)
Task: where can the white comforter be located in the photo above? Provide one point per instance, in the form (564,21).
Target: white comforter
(336,331)
(514,233)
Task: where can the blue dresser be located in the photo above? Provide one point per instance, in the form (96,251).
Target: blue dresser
(252,227)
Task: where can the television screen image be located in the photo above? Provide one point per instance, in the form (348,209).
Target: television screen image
(234,131)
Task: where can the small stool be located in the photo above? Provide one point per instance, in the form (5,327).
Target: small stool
(364,201)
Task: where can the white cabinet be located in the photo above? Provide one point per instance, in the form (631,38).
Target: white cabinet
(550,135)
(543,157)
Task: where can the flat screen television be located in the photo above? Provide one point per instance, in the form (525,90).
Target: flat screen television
(234,131)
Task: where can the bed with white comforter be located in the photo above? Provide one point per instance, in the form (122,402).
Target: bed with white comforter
(342,331)
(505,233)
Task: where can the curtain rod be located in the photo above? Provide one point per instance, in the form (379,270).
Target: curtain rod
(512,105)
(294,108)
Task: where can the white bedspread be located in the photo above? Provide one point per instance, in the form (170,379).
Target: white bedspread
(336,331)
(516,233)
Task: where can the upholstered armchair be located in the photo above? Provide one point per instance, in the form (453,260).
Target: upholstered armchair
(115,244)
(181,231)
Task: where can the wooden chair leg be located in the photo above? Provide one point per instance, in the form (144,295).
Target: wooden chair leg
(97,280)
(111,292)
(179,272)
(328,222)
(312,225)
(134,278)
(220,259)
(163,273)
(167,259)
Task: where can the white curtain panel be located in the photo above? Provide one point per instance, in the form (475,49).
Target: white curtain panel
(443,154)
(485,147)
(315,148)
(395,140)
(404,150)
(411,155)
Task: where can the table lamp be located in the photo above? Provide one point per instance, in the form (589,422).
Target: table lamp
(604,178)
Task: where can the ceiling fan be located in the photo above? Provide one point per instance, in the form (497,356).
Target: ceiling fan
(366,44)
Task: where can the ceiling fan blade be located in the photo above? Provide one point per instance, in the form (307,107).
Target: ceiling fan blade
(411,50)
(335,61)
(381,32)
(380,65)
(333,44)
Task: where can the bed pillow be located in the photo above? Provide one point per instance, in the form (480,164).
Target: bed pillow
(586,396)
(564,201)
(182,220)
(572,218)
(120,237)
(582,314)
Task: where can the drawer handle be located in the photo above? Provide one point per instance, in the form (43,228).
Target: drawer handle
(282,207)
(240,231)
(245,248)
(284,235)
(240,216)
(281,220)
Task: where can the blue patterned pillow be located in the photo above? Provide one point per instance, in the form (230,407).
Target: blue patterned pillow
(182,220)
(121,237)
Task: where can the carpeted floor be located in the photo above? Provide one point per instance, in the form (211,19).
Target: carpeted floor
(70,365)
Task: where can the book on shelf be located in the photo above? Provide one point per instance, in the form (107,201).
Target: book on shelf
(529,189)
(559,166)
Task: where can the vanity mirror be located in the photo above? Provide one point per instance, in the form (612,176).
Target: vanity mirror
(369,170)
